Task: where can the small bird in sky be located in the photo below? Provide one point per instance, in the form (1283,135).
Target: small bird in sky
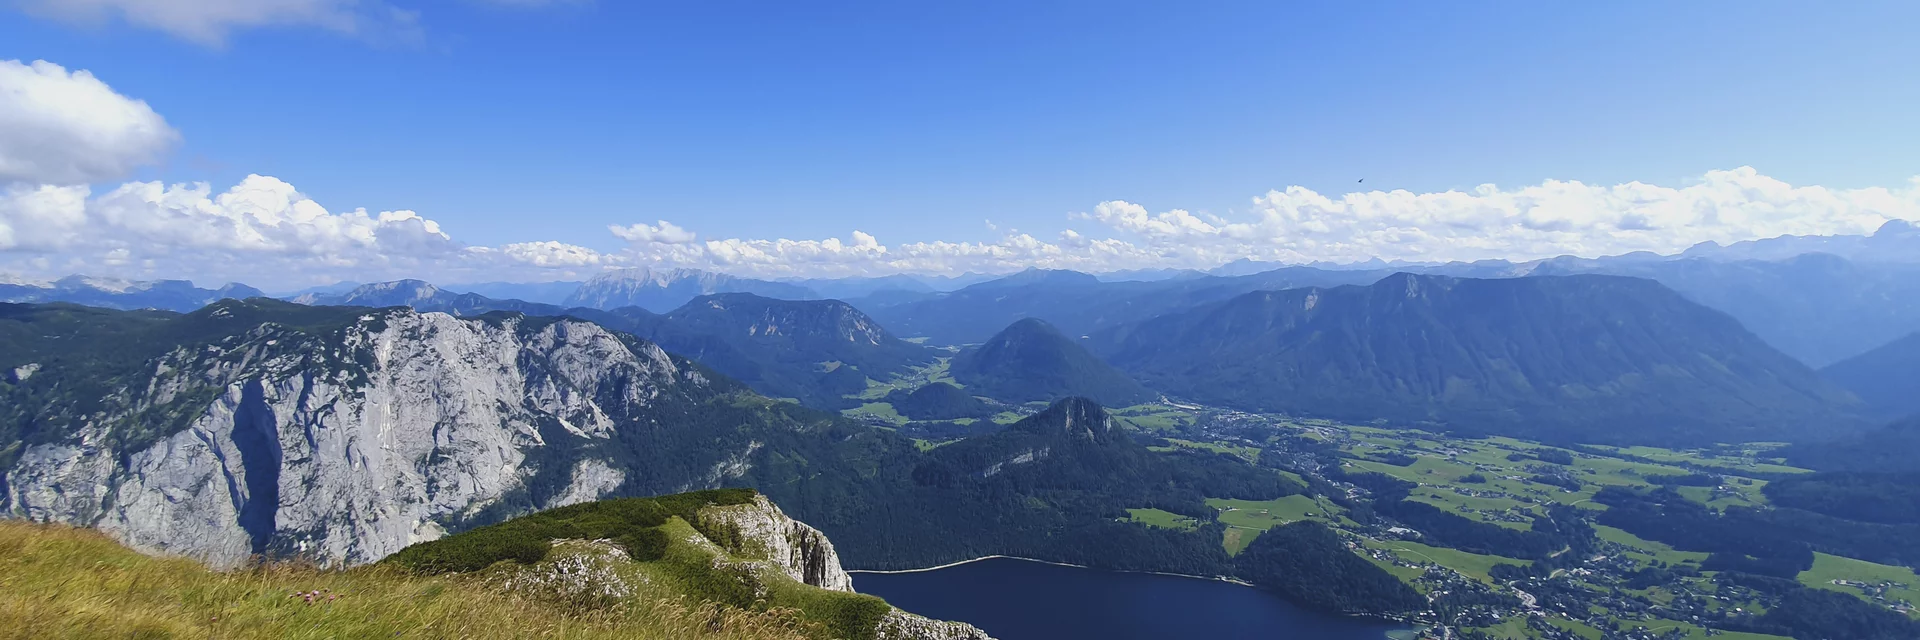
(1363,179)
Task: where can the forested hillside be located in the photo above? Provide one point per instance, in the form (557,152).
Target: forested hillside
(1030,361)
(1575,358)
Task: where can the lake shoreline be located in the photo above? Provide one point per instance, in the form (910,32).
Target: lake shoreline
(1027,599)
(1226,579)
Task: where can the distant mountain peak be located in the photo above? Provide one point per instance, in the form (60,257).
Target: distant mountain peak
(664,289)
(119,293)
(110,285)
(1036,275)
(1077,417)
(397,293)
(1030,361)
(657,276)
(760,315)
(1413,285)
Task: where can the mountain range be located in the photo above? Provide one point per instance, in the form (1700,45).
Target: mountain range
(1820,299)
(1897,241)
(814,351)
(169,295)
(342,435)
(1565,358)
(1075,303)
(660,290)
(823,349)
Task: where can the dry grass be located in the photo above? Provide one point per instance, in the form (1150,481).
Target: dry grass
(61,582)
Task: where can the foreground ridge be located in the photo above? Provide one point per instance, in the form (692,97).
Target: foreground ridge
(726,564)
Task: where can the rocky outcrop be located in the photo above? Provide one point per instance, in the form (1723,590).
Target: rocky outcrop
(760,533)
(900,625)
(760,530)
(346,447)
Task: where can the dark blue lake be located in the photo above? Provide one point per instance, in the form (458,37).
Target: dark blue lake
(1020,600)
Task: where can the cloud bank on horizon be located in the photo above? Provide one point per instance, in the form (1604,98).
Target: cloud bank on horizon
(63,132)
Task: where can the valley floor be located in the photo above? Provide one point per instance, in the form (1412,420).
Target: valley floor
(1499,481)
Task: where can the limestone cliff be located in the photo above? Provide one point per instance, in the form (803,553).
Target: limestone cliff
(760,530)
(345,445)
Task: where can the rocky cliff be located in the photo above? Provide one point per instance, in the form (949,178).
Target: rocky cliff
(345,442)
(763,531)
(804,554)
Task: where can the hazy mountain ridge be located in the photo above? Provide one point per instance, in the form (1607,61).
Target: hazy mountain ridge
(554,292)
(1587,358)
(112,293)
(1895,241)
(1887,378)
(1817,307)
(664,289)
(1077,303)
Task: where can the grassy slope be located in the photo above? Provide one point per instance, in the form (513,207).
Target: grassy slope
(1161,519)
(1472,565)
(1827,568)
(60,582)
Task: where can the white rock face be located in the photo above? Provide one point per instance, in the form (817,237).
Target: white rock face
(592,478)
(765,533)
(798,550)
(360,445)
(900,625)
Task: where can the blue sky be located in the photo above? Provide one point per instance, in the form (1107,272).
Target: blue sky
(917,122)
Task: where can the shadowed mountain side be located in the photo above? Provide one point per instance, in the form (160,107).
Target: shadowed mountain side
(1887,379)
(1573,358)
(1076,303)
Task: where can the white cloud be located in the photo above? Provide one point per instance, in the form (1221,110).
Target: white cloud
(1299,225)
(264,232)
(1550,219)
(261,230)
(61,127)
(552,254)
(209,21)
(662,233)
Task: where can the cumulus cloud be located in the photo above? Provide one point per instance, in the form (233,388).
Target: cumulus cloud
(1550,219)
(551,254)
(662,233)
(1300,225)
(68,127)
(263,231)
